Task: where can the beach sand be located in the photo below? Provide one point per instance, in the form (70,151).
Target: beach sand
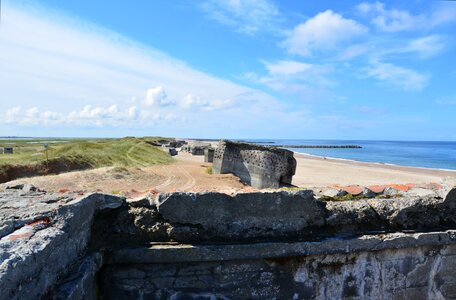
(319,172)
(189,173)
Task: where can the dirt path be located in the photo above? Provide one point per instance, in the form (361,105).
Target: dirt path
(139,163)
(188,173)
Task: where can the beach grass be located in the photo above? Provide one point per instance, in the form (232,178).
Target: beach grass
(69,154)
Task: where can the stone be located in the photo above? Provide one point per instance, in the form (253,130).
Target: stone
(369,193)
(260,167)
(282,245)
(391,192)
(421,192)
(244,215)
(334,193)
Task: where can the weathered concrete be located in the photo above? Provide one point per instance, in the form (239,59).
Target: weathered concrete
(238,217)
(260,167)
(278,245)
(209,155)
(43,235)
(393,266)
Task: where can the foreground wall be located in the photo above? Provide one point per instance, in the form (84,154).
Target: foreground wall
(277,245)
(286,271)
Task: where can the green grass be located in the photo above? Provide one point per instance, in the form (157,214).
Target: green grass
(209,170)
(95,153)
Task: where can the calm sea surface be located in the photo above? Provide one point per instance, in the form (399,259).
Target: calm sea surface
(439,155)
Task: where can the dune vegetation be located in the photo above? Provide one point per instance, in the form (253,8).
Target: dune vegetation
(29,158)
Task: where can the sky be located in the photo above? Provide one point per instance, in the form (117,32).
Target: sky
(229,69)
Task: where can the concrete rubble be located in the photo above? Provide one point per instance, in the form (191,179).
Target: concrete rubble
(274,245)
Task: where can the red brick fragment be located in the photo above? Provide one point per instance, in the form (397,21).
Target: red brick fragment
(378,189)
(400,187)
(353,190)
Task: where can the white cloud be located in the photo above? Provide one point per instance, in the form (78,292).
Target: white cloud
(245,16)
(82,75)
(427,46)
(400,77)
(395,20)
(325,31)
(157,96)
(189,101)
(287,67)
(292,76)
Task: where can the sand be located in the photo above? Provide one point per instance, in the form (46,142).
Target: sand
(189,173)
(320,172)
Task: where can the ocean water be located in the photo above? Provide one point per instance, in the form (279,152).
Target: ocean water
(437,155)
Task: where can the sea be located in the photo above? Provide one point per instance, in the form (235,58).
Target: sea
(424,154)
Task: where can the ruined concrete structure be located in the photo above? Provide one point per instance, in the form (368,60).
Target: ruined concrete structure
(260,167)
(7,150)
(209,155)
(196,147)
(276,245)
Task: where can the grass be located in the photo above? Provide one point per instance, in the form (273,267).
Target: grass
(209,170)
(78,154)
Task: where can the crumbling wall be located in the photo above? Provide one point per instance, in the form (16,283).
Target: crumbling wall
(260,167)
(396,266)
(247,246)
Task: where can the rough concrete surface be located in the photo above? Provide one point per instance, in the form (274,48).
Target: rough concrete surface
(276,245)
(260,167)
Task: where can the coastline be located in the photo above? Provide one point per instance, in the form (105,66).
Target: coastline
(368,162)
(313,171)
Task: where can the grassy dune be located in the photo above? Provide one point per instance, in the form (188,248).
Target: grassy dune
(77,154)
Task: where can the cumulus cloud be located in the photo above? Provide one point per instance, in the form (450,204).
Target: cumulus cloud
(400,77)
(324,31)
(157,96)
(89,115)
(81,74)
(245,16)
(395,20)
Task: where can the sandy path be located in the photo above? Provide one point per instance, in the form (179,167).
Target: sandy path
(188,173)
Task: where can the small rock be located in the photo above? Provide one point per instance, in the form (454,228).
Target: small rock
(334,193)
(391,192)
(421,192)
(29,188)
(369,193)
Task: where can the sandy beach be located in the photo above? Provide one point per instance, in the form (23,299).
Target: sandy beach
(189,173)
(317,171)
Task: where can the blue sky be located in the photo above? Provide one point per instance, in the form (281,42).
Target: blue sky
(229,69)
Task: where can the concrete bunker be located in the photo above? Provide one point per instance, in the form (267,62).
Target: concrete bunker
(248,246)
(7,150)
(209,155)
(260,167)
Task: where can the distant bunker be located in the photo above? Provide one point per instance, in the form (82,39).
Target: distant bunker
(196,147)
(260,167)
(7,150)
